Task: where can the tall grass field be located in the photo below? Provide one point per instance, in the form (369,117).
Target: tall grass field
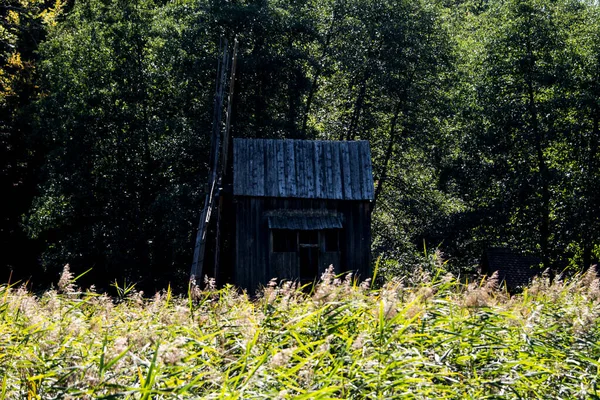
(423,337)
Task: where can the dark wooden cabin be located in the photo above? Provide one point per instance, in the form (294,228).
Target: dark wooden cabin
(300,206)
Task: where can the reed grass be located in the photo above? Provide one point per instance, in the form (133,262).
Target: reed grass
(430,338)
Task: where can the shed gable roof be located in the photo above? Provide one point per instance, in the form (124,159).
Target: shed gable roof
(302,168)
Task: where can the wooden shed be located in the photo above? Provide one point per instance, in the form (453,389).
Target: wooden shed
(300,206)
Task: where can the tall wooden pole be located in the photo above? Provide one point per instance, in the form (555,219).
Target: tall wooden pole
(225,154)
(199,248)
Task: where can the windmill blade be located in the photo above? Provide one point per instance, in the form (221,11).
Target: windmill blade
(209,200)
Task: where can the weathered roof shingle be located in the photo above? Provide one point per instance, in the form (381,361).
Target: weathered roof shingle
(302,168)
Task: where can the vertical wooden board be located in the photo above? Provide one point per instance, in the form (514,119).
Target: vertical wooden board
(354,170)
(236,175)
(237,245)
(250,166)
(276,265)
(294,263)
(240,168)
(290,168)
(321,236)
(371,182)
(367,218)
(309,154)
(260,173)
(263,245)
(360,192)
(329,258)
(366,210)
(304,167)
(271,185)
(346,171)
(367,174)
(258,271)
(242,257)
(337,173)
(268,177)
(349,238)
(251,237)
(292,271)
(300,169)
(281,176)
(284,266)
(318,169)
(247,237)
(241,244)
(360,238)
(251,173)
(252,184)
(328,149)
(247,167)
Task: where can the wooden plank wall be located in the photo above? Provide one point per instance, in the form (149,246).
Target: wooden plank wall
(284,266)
(356,240)
(253,258)
(252,244)
(330,258)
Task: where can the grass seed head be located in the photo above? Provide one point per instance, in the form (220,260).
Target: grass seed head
(209,284)
(66,282)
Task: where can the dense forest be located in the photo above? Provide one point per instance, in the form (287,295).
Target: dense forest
(483,119)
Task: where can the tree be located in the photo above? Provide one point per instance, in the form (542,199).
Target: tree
(23,25)
(512,177)
(127,91)
(578,220)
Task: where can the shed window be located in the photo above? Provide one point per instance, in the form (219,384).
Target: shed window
(284,240)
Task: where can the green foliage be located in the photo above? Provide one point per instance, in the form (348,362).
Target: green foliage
(23,25)
(429,336)
(122,109)
(528,140)
(483,119)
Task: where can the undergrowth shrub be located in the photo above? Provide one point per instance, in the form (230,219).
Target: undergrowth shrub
(428,336)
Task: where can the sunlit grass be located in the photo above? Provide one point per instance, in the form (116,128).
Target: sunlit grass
(432,338)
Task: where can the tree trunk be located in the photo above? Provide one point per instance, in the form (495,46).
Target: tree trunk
(544,225)
(592,195)
(388,153)
(315,82)
(358,105)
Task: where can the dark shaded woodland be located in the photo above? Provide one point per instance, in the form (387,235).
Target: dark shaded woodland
(482,118)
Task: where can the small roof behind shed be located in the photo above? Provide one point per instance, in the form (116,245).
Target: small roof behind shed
(315,169)
(514,268)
